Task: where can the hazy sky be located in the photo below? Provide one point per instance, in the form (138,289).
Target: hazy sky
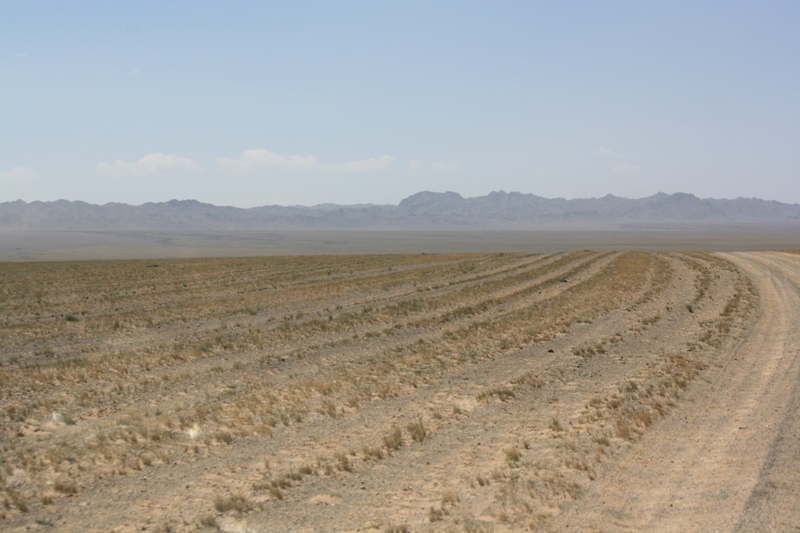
(258,103)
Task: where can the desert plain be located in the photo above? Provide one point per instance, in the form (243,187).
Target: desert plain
(571,390)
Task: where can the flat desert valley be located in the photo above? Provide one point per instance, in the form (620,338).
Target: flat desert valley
(526,390)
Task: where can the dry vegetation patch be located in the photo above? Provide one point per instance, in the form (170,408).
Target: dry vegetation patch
(277,382)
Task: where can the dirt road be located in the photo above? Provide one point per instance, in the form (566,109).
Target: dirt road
(728,459)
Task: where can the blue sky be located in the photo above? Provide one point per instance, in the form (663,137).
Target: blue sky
(260,103)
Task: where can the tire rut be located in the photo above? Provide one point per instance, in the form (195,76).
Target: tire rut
(736,457)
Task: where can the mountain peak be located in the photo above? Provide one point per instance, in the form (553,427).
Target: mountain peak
(425,210)
(427,198)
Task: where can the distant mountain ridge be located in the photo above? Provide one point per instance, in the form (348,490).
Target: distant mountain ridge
(424,210)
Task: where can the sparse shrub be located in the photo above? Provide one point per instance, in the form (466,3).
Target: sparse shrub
(294,476)
(576,464)
(435,515)
(471,526)
(209,520)
(66,487)
(530,379)
(603,441)
(504,395)
(624,430)
(649,321)
(417,430)
(18,501)
(393,440)
(645,417)
(373,452)
(512,455)
(234,502)
(449,498)
(344,462)
(630,386)
(328,408)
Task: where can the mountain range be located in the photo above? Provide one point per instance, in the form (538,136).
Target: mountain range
(421,211)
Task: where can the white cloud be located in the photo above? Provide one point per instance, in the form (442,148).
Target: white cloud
(19,174)
(605,152)
(21,55)
(445,167)
(260,159)
(619,167)
(625,167)
(135,72)
(414,164)
(367,165)
(149,164)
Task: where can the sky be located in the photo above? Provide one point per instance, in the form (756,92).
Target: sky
(305,102)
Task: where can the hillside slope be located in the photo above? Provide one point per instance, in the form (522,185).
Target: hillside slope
(424,210)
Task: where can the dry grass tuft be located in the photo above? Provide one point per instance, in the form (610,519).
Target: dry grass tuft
(233,502)
(417,430)
(393,440)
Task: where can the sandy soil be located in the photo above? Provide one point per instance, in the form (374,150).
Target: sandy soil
(22,245)
(503,392)
(727,459)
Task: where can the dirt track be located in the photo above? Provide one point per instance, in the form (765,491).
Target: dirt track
(729,458)
(644,392)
